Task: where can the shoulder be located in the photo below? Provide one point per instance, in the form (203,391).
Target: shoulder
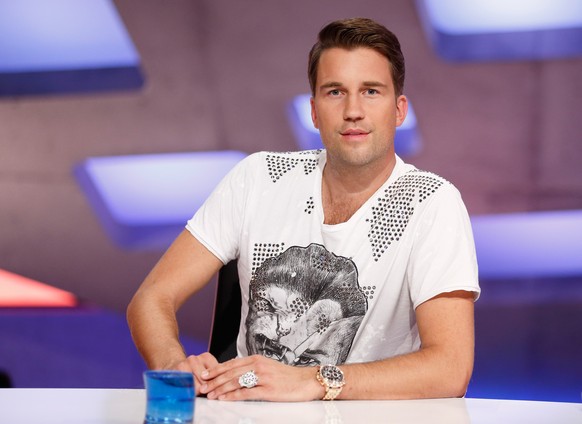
(420,190)
(425,182)
(279,164)
(291,157)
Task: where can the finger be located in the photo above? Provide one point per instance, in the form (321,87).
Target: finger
(259,389)
(246,363)
(255,393)
(197,365)
(225,377)
(225,382)
(222,383)
(223,386)
(208,359)
(201,363)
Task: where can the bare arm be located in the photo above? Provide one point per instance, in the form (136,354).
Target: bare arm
(441,368)
(185,268)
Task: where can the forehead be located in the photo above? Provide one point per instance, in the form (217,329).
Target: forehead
(349,65)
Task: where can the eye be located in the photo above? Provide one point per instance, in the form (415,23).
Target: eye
(334,92)
(305,361)
(371,91)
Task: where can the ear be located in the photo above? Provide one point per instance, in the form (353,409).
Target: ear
(401,109)
(313,113)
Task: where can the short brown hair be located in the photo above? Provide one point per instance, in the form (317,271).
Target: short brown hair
(358,32)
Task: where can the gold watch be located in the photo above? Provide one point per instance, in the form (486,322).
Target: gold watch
(332,379)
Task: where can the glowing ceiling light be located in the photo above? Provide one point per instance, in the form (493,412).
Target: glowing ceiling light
(503,30)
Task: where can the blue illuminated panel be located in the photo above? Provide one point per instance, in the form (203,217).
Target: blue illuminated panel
(60,46)
(407,140)
(524,245)
(144,201)
(484,30)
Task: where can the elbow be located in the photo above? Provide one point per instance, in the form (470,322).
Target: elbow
(452,376)
(129,311)
(132,311)
(459,389)
(458,381)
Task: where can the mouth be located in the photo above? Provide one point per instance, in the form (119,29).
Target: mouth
(354,131)
(354,134)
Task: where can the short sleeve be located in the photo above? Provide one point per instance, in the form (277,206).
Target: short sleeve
(443,257)
(218,223)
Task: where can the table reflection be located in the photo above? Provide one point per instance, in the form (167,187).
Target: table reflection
(336,412)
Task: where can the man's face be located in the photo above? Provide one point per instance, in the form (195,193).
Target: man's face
(355,107)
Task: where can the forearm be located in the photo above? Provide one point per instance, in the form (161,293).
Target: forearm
(428,373)
(183,270)
(154,330)
(441,368)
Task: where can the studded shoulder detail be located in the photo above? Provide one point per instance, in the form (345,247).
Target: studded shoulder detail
(393,210)
(278,164)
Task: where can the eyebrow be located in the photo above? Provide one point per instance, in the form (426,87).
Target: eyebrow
(332,84)
(374,84)
(335,84)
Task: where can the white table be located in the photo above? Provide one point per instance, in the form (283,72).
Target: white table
(127,406)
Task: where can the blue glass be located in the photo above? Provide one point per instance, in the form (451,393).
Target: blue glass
(170,397)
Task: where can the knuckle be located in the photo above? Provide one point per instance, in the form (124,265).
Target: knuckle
(258,359)
(205,355)
(192,359)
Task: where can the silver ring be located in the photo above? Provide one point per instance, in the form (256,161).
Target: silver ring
(248,379)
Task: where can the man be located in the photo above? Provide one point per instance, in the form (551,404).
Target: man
(349,259)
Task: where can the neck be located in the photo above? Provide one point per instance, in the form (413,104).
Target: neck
(345,190)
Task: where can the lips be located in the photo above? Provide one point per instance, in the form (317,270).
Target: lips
(354,132)
(354,135)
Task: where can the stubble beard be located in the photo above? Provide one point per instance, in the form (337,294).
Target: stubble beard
(358,158)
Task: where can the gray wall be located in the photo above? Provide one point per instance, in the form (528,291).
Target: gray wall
(219,76)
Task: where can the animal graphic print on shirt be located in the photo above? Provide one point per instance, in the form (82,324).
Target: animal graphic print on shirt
(305,307)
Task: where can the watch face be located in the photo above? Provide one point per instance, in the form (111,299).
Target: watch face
(332,374)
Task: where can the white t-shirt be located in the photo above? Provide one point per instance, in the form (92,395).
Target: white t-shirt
(316,293)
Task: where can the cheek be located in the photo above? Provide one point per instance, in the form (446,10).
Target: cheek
(326,127)
(314,115)
(314,119)
(327,116)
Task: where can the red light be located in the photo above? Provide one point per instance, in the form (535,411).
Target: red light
(17,291)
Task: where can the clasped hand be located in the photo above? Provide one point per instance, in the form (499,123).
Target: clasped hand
(275,381)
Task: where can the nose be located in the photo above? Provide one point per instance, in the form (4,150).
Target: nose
(284,324)
(353,110)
